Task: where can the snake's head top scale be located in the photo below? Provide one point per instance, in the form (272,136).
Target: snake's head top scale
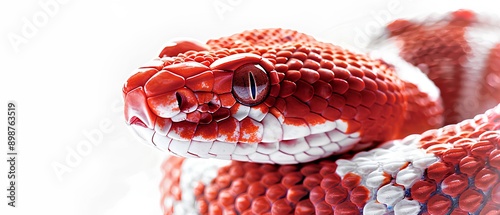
(285,99)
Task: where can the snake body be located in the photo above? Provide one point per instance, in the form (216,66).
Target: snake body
(313,128)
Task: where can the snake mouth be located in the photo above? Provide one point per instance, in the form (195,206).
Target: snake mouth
(167,136)
(230,137)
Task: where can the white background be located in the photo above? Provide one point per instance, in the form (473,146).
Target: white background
(66,74)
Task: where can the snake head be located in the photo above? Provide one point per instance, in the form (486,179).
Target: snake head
(222,100)
(271,101)
(206,99)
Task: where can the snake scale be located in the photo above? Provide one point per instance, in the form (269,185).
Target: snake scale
(287,124)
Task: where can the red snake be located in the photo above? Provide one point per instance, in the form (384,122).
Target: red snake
(313,128)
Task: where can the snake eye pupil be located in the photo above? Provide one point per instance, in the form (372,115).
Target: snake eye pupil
(253,88)
(250,84)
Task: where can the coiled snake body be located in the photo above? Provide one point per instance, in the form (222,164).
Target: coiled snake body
(313,128)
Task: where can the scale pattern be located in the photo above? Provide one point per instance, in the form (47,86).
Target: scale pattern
(454,169)
(445,49)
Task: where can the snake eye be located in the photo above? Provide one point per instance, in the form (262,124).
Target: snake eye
(250,84)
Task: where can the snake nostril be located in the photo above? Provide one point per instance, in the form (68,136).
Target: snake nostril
(186,100)
(178,96)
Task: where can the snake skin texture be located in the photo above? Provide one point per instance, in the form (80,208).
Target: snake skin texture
(452,170)
(272,121)
(460,54)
